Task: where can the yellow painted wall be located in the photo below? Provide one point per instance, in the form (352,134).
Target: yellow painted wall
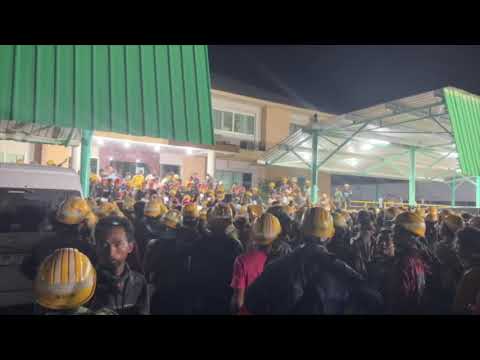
(194,164)
(57,153)
(276,125)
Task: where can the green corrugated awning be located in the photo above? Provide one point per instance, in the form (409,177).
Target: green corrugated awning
(143,90)
(464,111)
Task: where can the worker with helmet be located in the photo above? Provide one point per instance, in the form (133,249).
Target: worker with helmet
(310,279)
(167,266)
(150,225)
(363,243)
(66,295)
(410,274)
(468,291)
(212,262)
(340,243)
(450,269)
(71,226)
(119,287)
(249,266)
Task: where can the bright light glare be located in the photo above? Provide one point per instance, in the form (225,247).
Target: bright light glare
(137,160)
(189,151)
(111,158)
(453,156)
(352,162)
(100,142)
(127,145)
(378,142)
(458,171)
(366,147)
(157,148)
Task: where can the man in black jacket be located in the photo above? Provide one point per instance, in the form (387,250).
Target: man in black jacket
(212,263)
(311,280)
(118,287)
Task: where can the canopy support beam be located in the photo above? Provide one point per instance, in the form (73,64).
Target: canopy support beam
(477,197)
(453,187)
(412,177)
(85,155)
(314,168)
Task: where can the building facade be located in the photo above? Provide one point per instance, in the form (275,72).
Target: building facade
(244,128)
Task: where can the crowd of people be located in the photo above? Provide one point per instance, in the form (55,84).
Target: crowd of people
(144,245)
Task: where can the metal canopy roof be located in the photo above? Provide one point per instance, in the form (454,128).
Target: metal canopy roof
(377,141)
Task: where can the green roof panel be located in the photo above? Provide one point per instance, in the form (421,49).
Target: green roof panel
(144,90)
(464,111)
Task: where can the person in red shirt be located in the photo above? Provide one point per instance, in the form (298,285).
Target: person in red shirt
(249,266)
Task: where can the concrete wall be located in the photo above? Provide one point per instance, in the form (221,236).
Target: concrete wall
(192,165)
(57,153)
(276,125)
(429,191)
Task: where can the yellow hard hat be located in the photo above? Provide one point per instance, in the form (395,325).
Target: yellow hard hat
(453,222)
(318,223)
(271,185)
(432,215)
(92,204)
(339,220)
(191,211)
(108,209)
(266,229)
(65,280)
(73,211)
(51,163)
(255,210)
(172,218)
(91,219)
(284,180)
(412,223)
(154,208)
(254,190)
(248,194)
(289,210)
(172,192)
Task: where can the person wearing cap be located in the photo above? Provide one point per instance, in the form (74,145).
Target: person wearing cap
(410,274)
(138,180)
(66,295)
(450,268)
(167,267)
(290,232)
(119,287)
(72,226)
(311,280)
(249,266)
(212,263)
(468,290)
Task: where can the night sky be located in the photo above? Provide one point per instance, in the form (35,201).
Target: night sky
(341,78)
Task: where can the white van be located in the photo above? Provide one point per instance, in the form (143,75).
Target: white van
(29,195)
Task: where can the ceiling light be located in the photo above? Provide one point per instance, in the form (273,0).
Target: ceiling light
(453,155)
(157,148)
(377,142)
(137,160)
(352,161)
(110,158)
(189,151)
(100,142)
(127,145)
(366,147)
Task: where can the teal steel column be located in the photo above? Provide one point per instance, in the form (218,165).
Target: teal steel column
(477,202)
(453,188)
(85,161)
(376,192)
(411,178)
(314,167)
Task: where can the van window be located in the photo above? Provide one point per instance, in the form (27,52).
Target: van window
(29,210)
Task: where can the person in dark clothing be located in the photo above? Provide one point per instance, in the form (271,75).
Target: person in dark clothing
(118,287)
(289,227)
(311,280)
(167,266)
(212,263)
(410,274)
(383,257)
(431,221)
(363,243)
(71,226)
(450,267)
(150,224)
(340,243)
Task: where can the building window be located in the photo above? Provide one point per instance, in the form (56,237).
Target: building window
(11,158)
(228,178)
(295,128)
(234,122)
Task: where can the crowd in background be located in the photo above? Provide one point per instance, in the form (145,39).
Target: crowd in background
(145,245)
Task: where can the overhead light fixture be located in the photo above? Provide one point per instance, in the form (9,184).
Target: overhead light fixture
(100,141)
(366,147)
(137,160)
(110,158)
(458,171)
(352,162)
(127,145)
(189,151)
(156,148)
(453,155)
